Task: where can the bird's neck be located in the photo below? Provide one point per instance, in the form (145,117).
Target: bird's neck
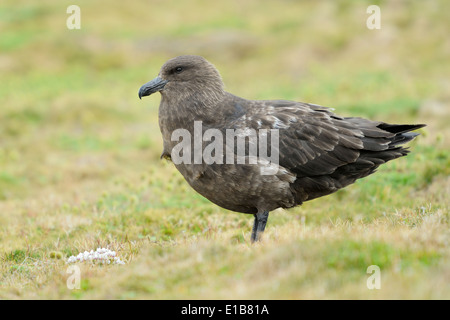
(187,107)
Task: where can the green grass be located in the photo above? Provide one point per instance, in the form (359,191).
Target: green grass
(80,167)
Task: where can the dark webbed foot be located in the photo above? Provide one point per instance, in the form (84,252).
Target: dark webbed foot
(259,225)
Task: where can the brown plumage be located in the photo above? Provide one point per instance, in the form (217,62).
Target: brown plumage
(319,151)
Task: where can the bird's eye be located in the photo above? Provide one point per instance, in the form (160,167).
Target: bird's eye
(178,69)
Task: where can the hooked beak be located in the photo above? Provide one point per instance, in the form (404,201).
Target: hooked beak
(151,87)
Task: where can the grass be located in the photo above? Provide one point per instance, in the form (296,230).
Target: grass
(80,167)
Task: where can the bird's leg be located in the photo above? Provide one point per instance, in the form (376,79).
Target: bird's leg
(259,225)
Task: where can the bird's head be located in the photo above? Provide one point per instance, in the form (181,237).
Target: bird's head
(185,76)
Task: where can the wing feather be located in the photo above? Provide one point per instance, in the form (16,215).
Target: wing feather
(312,140)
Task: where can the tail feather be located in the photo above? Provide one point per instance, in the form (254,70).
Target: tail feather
(381,143)
(402,138)
(377,150)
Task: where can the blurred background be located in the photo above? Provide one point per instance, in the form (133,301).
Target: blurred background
(79,152)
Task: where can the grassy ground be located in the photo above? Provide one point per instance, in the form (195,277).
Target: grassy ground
(79,152)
